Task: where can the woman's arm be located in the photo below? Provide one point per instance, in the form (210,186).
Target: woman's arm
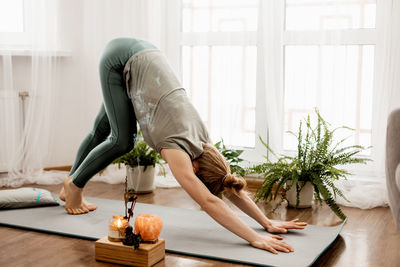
(247,205)
(181,167)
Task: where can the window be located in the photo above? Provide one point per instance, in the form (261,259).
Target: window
(329,51)
(219,58)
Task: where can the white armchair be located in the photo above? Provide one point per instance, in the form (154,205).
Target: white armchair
(393,164)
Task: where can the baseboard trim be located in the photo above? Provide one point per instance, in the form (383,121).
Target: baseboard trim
(58,168)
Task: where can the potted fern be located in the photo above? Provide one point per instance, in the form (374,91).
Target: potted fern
(140,165)
(314,168)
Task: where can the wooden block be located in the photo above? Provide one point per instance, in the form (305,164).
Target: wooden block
(116,252)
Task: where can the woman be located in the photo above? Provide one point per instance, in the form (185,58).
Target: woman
(139,85)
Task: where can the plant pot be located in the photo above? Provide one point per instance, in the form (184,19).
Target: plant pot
(306,195)
(139,179)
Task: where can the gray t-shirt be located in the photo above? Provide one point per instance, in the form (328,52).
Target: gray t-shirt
(165,114)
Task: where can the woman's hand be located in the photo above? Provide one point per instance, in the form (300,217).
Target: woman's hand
(282,227)
(272,243)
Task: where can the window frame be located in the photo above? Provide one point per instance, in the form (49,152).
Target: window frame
(336,37)
(248,38)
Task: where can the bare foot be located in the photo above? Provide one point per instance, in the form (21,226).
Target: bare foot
(88,205)
(73,196)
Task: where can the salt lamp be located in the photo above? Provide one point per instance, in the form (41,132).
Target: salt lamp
(148,226)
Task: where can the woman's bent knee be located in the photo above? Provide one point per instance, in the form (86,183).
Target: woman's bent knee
(121,146)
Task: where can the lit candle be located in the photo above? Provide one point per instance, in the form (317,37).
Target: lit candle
(116,228)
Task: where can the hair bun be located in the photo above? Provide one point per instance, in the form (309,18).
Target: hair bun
(233,182)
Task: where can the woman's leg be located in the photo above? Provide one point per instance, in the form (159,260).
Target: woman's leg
(122,121)
(101,129)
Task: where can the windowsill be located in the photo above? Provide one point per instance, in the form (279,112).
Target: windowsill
(29,53)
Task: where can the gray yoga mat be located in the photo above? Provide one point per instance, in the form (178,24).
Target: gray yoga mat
(187,232)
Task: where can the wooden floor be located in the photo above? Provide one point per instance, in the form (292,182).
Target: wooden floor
(369,238)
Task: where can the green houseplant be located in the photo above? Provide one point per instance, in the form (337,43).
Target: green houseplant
(232,156)
(140,165)
(318,160)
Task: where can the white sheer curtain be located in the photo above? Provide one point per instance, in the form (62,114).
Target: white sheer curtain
(270,76)
(387,90)
(10,122)
(387,83)
(25,123)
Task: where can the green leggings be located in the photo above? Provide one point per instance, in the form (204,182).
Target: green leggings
(114,128)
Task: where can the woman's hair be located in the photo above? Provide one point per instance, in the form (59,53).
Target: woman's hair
(214,172)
